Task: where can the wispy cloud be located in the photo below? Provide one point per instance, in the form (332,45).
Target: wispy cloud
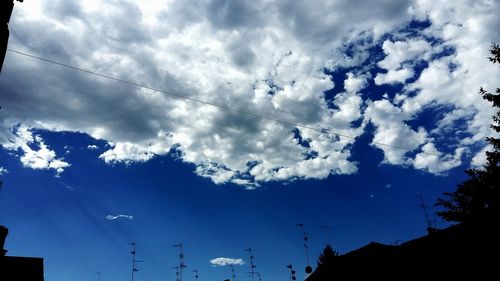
(3,171)
(113,217)
(92,147)
(226,261)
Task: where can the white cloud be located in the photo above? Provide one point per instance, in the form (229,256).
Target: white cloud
(400,52)
(266,57)
(226,261)
(435,162)
(92,147)
(115,217)
(392,135)
(394,76)
(35,153)
(354,84)
(479,160)
(3,171)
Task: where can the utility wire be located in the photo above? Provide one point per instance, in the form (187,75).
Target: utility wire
(182,96)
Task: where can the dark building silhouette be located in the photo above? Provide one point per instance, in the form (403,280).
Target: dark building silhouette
(6,7)
(461,251)
(18,268)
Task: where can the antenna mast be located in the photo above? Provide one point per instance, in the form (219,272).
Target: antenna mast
(195,274)
(181,265)
(430,223)
(308,268)
(328,233)
(252,266)
(134,261)
(176,272)
(232,273)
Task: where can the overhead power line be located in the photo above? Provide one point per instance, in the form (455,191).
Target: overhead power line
(239,111)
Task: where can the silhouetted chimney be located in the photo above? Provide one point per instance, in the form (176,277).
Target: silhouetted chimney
(3,234)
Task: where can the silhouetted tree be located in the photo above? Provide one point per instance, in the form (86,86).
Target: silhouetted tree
(328,256)
(478,197)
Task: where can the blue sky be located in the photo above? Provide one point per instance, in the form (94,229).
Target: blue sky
(90,164)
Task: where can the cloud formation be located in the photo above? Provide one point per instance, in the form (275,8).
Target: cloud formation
(226,261)
(3,171)
(115,217)
(33,152)
(270,59)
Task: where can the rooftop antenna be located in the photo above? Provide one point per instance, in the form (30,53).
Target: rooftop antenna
(430,223)
(258,275)
(292,272)
(232,272)
(176,272)
(181,259)
(308,268)
(195,274)
(98,276)
(252,266)
(328,233)
(134,261)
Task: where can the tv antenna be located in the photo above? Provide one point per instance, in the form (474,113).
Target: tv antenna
(195,274)
(176,272)
(134,261)
(181,265)
(292,272)
(431,226)
(328,233)
(308,268)
(258,275)
(232,272)
(252,266)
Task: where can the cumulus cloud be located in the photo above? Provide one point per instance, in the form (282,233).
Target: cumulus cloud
(394,76)
(399,53)
(115,217)
(392,135)
(226,261)
(265,57)
(92,147)
(3,171)
(353,83)
(34,153)
(435,162)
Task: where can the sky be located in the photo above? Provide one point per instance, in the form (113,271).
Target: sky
(240,119)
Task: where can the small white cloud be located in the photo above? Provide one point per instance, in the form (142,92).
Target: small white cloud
(354,84)
(3,171)
(401,52)
(479,160)
(394,76)
(112,217)
(226,261)
(435,162)
(92,147)
(40,157)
